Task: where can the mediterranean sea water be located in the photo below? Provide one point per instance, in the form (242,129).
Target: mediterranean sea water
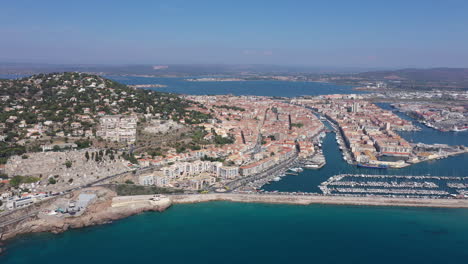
(223,232)
(12,76)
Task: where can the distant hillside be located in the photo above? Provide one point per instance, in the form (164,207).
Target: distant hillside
(434,74)
(421,79)
(171,69)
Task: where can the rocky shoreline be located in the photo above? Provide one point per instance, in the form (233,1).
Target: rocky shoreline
(110,207)
(101,211)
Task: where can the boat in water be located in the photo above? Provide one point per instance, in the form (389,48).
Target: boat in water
(314,166)
(296,169)
(459,129)
(372,166)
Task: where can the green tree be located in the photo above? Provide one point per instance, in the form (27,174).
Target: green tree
(16,181)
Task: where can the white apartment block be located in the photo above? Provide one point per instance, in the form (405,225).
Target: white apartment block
(191,168)
(156,179)
(189,171)
(226,172)
(118,128)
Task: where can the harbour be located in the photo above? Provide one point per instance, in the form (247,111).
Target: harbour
(334,150)
(233,132)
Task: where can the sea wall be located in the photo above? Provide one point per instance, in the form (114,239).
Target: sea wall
(110,207)
(318,199)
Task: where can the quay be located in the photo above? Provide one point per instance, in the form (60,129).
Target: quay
(338,135)
(260,179)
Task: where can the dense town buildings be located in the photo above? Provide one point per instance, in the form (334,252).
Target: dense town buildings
(94,129)
(262,133)
(368,130)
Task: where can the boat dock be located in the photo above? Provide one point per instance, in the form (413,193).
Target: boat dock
(396,185)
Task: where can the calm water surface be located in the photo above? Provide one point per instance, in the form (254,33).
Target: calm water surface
(263,88)
(309,180)
(222,232)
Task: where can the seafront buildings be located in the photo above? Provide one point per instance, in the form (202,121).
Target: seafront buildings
(264,133)
(190,175)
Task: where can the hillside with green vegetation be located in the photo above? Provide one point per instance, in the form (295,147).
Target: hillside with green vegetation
(63,105)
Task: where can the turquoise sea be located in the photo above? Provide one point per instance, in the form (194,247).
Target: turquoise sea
(222,232)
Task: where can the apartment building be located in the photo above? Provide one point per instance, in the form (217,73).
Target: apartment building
(118,128)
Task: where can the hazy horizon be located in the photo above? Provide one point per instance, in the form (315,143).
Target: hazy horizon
(400,34)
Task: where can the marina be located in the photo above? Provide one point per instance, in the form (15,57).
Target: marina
(409,186)
(451,166)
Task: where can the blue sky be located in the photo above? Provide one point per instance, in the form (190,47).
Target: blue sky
(378,33)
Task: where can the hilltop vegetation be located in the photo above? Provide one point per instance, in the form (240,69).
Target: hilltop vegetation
(45,107)
(57,97)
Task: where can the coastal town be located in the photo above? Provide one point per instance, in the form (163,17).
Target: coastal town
(233,132)
(71,140)
(367,133)
(443,117)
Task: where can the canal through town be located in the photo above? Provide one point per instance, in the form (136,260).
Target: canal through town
(309,180)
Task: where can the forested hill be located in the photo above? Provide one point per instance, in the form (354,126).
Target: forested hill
(60,97)
(47,107)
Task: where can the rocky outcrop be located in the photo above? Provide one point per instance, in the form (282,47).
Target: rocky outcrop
(100,212)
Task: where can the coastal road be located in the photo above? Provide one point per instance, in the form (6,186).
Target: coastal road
(15,220)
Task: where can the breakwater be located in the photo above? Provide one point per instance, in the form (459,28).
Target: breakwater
(306,199)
